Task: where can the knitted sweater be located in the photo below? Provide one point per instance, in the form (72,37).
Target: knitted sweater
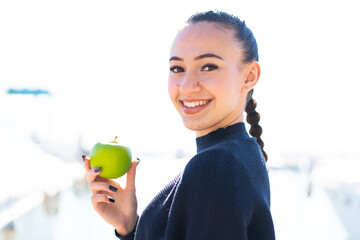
(223,193)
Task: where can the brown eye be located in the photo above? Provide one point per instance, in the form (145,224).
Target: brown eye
(176,69)
(209,67)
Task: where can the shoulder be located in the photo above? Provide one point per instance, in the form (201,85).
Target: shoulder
(207,167)
(235,165)
(232,156)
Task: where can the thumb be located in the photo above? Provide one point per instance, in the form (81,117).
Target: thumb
(130,176)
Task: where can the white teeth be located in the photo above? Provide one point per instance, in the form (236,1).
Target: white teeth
(194,104)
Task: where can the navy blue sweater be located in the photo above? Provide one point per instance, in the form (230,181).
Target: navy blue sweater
(223,193)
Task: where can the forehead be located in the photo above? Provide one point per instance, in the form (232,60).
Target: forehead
(204,37)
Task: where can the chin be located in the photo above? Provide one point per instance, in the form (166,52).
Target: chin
(194,125)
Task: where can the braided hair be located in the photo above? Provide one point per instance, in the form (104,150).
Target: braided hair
(247,42)
(253,118)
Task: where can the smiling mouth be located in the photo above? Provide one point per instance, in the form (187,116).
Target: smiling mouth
(195,103)
(191,107)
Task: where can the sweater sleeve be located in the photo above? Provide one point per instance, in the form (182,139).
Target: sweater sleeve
(130,236)
(216,199)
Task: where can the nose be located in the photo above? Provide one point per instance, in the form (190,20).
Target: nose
(189,84)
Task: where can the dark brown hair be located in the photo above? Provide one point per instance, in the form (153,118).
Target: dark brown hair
(253,118)
(244,36)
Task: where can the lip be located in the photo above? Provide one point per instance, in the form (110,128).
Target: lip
(193,110)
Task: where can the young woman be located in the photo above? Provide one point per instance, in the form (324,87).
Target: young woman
(223,192)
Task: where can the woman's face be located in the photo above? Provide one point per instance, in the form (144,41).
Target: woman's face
(206,79)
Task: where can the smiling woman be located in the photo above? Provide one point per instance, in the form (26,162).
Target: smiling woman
(223,192)
(207,66)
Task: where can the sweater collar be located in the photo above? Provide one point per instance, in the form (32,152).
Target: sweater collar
(234,131)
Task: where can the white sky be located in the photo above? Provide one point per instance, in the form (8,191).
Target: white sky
(106,65)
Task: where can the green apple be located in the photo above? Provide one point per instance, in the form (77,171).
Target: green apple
(113,159)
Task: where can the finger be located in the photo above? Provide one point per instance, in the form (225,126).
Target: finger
(101,198)
(94,177)
(95,187)
(130,176)
(107,180)
(86,163)
(93,173)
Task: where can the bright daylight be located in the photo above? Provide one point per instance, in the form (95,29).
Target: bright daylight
(91,78)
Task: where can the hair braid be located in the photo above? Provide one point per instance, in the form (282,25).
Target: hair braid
(253,118)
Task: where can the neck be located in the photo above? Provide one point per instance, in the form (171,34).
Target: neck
(223,124)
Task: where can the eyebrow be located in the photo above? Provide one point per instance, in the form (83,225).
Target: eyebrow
(206,55)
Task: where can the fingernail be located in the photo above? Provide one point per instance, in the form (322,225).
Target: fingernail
(112,200)
(112,188)
(138,161)
(97,169)
(83,157)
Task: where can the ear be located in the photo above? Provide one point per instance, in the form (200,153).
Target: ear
(252,77)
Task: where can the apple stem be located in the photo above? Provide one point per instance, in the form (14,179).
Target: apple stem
(115,139)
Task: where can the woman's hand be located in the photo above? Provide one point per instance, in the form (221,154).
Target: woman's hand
(116,205)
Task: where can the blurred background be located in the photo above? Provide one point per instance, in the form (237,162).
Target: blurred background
(76,72)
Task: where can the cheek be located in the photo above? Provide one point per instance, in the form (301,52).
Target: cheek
(172,89)
(226,90)
(219,86)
